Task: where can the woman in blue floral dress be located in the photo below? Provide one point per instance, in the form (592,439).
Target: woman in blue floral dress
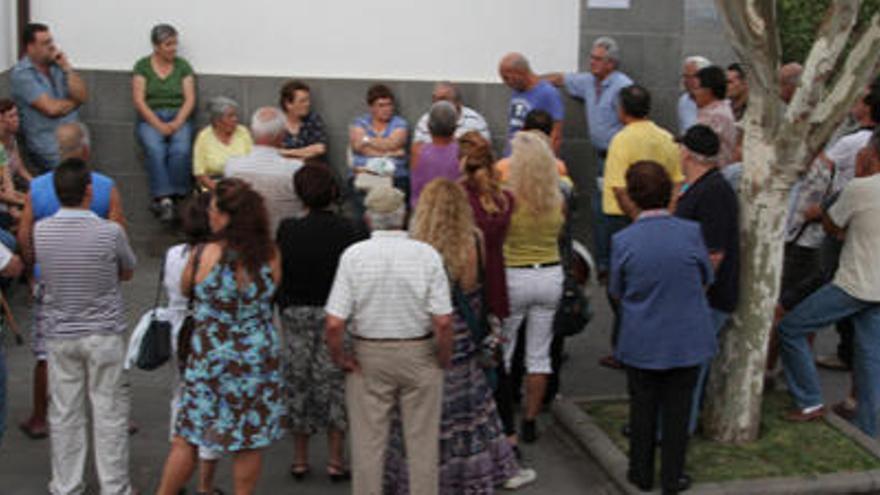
(232,398)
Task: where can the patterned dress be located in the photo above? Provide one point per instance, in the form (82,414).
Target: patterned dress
(475,455)
(232,398)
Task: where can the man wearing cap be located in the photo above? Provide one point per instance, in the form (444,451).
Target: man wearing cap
(710,201)
(395,292)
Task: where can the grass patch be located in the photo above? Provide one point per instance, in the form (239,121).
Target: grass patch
(784,449)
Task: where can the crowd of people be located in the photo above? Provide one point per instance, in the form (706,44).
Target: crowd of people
(411,300)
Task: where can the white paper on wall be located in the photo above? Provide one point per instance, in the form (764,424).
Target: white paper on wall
(608,4)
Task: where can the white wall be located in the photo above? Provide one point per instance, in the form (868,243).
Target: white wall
(382,39)
(7,34)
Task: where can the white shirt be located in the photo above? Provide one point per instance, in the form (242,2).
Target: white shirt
(271,175)
(687,112)
(468,120)
(843,153)
(858,210)
(390,286)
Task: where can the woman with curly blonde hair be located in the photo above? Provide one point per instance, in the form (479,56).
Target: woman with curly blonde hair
(475,456)
(534,275)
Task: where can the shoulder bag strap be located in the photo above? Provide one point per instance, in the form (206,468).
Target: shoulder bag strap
(159,285)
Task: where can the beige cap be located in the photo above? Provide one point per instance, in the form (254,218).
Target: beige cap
(384,199)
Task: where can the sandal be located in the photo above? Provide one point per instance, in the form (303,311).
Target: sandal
(338,472)
(299,470)
(33,433)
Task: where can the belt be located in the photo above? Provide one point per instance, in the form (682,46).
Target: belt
(414,339)
(536,265)
(602,153)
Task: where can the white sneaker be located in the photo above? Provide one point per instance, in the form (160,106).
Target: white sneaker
(522,478)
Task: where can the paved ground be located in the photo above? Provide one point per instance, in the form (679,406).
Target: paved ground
(562,467)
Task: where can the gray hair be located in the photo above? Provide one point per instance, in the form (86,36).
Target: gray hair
(699,61)
(73,137)
(267,122)
(218,106)
(456,93)
(387,221)
(517,61)
(612,50)
(162,32)
(442,119)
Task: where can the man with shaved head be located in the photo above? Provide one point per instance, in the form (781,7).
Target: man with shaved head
(529,93)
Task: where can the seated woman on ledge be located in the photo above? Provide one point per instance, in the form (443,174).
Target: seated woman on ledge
(164,95)
(223,139)
(380,133)
(305,136)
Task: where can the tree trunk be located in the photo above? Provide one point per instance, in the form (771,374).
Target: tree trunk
(733,410)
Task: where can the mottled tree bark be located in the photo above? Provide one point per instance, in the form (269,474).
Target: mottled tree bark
(780,141)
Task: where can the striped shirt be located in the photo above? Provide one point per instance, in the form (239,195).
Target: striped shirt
(81,255)
(390,286)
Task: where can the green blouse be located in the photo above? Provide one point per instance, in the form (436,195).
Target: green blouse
(164,93)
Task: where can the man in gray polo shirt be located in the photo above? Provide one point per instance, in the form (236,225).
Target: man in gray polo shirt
(395,292)
(82,259)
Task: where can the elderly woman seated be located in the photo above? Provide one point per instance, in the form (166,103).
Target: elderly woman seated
(305,136)
(439,158)
(380,134)
(223,139)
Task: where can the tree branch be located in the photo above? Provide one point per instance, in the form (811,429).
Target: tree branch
(857,72)
(752,32)
(824,57)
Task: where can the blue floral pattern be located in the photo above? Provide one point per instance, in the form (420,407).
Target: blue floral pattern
(232,388)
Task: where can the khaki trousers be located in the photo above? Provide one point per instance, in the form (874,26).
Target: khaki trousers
(392,374)
(88,365)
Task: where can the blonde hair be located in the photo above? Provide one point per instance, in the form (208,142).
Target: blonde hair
(534,179)
(443,219)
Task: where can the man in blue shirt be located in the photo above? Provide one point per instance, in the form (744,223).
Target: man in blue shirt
(529,93)
(599,89)
(687,106)
(48,93)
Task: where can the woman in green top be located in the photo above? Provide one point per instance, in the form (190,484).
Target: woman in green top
(163,90)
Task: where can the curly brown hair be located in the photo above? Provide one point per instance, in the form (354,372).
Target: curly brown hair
(247,232)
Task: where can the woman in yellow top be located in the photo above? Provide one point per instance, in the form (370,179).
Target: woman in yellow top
(531,257)
(223,139)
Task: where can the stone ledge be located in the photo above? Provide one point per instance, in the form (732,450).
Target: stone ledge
(597,444)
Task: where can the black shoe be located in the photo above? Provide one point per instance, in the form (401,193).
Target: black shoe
(626,431)
(642,485)
(684,482)
(517,453)
(529,432)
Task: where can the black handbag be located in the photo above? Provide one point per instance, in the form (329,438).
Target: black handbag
(155,348)
(573,312)
(184,337)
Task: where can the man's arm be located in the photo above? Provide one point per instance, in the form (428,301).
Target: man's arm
(831,228)
(125,256)
(115,212)
(334,330)
(555,78)
(52,107)
(443,333)
(556,137)
(76,87)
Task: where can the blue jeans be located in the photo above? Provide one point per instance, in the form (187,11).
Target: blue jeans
(168,158)
(8,240)
(601,237)
(719,320)
(828,305)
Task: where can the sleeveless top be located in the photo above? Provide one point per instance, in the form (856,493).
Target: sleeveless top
(45,202)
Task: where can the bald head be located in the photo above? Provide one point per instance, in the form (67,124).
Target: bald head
(515,71)
(789,78)
(73,141)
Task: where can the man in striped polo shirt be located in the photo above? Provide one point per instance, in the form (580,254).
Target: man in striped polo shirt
(82,259)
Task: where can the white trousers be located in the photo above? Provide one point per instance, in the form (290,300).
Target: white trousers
(88,365)
(534,294)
